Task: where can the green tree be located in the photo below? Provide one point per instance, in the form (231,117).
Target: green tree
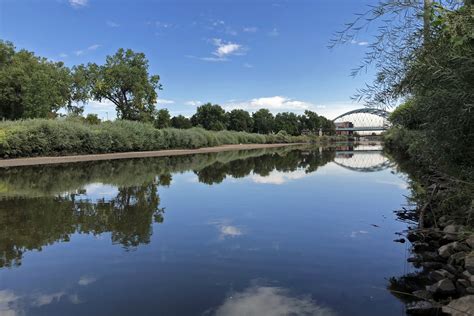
(92,119)
(31,86)
(163,119)
(209,116)
(181,121)
(124,80)
(311,121)
(263,121)
(288,122)
(239,120)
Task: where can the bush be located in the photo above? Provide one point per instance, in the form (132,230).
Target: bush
(41,137)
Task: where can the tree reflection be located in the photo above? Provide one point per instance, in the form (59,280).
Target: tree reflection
(42,205)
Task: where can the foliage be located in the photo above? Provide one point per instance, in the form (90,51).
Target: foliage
(30,86)
(263,121)
(239,120)
(181,121)
(211,117)
(124,81)
(163,119)
(71,136)
(288,122)
(92,119)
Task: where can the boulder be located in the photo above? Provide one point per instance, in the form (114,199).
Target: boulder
(444,287)
(469,262)
(421,308)
(422,294)
(457,258)
(440,274)
(461,307)
(451,231)
(470,241)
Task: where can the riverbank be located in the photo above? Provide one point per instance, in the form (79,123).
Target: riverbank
(441,214)
(17,162)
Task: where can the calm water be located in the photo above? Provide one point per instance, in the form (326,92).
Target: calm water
(286,231)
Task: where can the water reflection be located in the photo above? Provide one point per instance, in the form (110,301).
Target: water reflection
(269,301)
(90,240)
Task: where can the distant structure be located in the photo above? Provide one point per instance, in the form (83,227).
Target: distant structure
(344,128)
(365,120)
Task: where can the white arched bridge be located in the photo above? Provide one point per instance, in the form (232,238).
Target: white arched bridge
(362,120)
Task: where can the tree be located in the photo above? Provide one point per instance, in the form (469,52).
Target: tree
(92,119)
(181,122)
(288,122)
(163,119)
(263,121)
(311,121)
(210,117)
(31,86)
(124,81)
(239,120)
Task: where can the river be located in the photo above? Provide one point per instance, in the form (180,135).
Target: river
(287,231)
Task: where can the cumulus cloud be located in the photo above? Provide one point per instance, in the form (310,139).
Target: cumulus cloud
(224,49)
(278,177)
(275,104)
(78,3)
(270,301)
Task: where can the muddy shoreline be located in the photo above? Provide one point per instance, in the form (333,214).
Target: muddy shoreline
(17,162)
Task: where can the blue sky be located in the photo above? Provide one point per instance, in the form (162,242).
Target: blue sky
(239,54)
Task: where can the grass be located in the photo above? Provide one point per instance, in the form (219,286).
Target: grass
(41,137)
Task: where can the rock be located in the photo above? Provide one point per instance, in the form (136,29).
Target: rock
(451,231)
(444,287)
(430,256)
(446,250)
(421,308)
(422,294)
(440,274)
(461,307)
(469,262)
(431,265)
(466,275)
(464,283)
(457,258)
(470,241)
(470,290)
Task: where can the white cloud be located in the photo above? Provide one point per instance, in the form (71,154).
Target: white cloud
(86,280)
(78,3)
(193,103)
(275,104)
(274,32)
(83,51)
(224,49)
(270,301)
(164,102)
(112,24)
(360,43)
(250,29)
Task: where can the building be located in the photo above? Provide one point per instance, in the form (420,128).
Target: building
(343,125)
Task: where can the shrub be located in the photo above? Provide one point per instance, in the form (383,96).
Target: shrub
(42,137)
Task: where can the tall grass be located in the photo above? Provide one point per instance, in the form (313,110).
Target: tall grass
(41,137)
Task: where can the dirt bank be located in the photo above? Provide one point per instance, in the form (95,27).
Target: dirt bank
(4,163)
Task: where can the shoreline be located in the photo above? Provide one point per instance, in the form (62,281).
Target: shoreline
(31,161)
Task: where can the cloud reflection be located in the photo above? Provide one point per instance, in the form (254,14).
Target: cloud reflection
(279,177)
(86,280)
(229,231)
(269,301)
(7,303)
